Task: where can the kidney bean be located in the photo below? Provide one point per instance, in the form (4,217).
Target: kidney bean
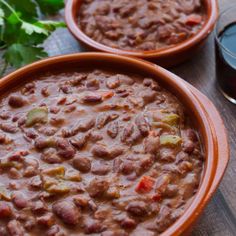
(54,110)
(163,220)
(103,8)
(3,231)
(127,167)
(100,168)
(28,89)
(8,127)
(142,124)
(5,210)
(5,115)
(95,136)
(162,183)
(51,156)
(36,182)
(124,79)
(2,138)
(67,212)
(82,164)
(30,133)
(148,96)
(114,233)
(41,143)
(20,200)
(188,146)
(39,207)
(55,230)
(46,220)
(57,121)
(81,201)
(65,88)
(145,164)
(127,132)
(93,226)
(16,101)
(189,186)
(104,118)
(171,191)
(166,155)
(97,187)
(64,148)
(100,150)
(152,84)
(29,223)
(92,205)
(113,129)
(151,144)
(113,82)
(93,84)
(128,223)
(48,131)
(79,141)
(137,208)
(78,79)
(14,173)
(15,228)
(91,97)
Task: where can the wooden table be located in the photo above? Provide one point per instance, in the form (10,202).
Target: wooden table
(219,217)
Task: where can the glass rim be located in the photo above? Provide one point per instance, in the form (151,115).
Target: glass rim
(233,6)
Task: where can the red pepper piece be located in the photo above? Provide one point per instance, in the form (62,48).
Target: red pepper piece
(156,197)
(145,185)
(193,19)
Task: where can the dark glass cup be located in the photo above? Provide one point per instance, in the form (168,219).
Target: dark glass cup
(225,48)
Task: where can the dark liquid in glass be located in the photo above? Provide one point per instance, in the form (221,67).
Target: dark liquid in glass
(226,60)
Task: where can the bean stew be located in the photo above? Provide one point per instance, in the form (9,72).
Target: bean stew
(142,25)
(95,152)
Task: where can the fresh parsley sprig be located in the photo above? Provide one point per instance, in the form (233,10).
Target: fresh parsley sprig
(23,30)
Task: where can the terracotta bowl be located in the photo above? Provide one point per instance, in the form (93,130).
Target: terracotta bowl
(212,131)
(166,56)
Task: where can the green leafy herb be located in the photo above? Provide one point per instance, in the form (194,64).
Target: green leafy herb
(48,7)
(23,30)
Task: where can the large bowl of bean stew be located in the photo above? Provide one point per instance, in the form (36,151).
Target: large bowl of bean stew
(166,32)
(102,144)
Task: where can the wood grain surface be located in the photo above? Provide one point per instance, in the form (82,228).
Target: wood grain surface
(219,218)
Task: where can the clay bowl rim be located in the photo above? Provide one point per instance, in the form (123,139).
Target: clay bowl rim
(200,199)
(72,19)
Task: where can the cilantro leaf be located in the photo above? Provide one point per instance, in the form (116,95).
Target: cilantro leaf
(14,33)
(28,8)
(30,29)
(19,55)
(2,14)
(50,6)
(50,25)
(22,30)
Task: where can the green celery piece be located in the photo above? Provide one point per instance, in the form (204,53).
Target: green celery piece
(170,140)
(37,115)
(4,193)
(58,171)
(59,188)
(171,119)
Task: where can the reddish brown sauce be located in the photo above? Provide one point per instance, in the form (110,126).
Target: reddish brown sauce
(141,24)
(95,153)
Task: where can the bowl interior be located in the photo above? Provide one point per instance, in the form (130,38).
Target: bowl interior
(165,78)
(71,16)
